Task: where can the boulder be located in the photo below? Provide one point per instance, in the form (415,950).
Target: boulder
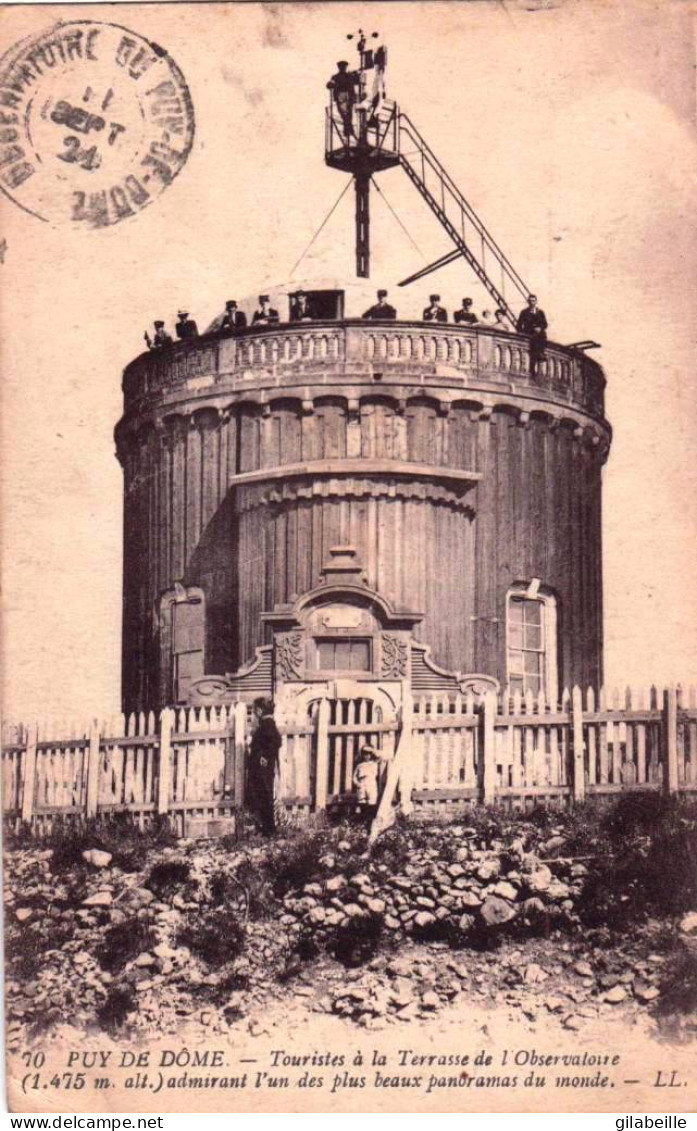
(401,992)
(424,919)
(615,995)
(496,911)
(143,896)
(646,993)
(533,909)
(688,923)
(164,951)
(539,879)
(336,883)
(534,973)
(584,969)
(377,906)
(488,870)
(97,858)
(23,913)
(402,882)
(430,1000)
(99,899)
(505,890)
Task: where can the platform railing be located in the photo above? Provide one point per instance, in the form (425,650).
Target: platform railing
(332,351)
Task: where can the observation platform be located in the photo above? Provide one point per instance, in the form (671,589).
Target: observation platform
(356,359)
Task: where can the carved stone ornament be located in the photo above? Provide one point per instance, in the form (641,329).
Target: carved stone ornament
(394,657)
(290,657)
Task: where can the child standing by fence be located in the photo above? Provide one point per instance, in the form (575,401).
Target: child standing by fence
(366,780)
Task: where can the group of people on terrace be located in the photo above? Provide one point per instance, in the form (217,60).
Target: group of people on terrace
(531,321)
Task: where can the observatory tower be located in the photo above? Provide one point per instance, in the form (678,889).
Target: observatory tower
(328,505)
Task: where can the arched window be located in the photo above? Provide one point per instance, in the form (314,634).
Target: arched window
(531,640)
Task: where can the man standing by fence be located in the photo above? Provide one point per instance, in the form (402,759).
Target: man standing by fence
(263,761)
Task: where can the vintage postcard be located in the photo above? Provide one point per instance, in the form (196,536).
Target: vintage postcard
(349,541)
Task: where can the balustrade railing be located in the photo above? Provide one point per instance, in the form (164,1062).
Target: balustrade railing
(282,355)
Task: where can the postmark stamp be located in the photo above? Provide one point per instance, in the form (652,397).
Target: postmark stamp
(95,122)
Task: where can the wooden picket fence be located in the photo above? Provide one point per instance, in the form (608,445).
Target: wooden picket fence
(189,765)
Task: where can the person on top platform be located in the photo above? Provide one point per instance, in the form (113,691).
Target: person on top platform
(435,312)
(501,321)
(381,309)
(532,321)
(465,314)
(233,319)
(265,315)
(300,308)
(343,86)
(160,339)
(186,327)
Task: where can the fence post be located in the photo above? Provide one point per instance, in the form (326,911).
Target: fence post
(406,753)
(229,754)
(322,747)
(577,729)
(240,731)
(488,761)
(165,775)
(92,798)
(29,775)
(670,740)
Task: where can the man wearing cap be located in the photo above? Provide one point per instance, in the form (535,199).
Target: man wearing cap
(465,313)
(186,327)
(262,765)
(233,319)
(343,86)
(532,321)
(161,338)
(435,312)
(381,309)
(300,310)
(265,315)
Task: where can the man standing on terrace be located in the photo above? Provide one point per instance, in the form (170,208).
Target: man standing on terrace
(532,321)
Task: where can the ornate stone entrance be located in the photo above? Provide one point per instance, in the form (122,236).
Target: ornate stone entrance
(343,668)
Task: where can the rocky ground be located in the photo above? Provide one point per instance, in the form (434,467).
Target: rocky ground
(143,936)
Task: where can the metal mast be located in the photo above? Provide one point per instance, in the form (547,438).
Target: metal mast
(366,133)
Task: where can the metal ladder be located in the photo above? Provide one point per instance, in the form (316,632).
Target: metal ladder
(457,216)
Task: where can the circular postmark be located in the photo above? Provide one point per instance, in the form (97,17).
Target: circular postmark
(95,122)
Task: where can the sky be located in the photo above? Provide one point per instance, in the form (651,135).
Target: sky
(570,127)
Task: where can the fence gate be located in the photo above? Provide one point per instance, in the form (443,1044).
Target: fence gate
(343,722)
